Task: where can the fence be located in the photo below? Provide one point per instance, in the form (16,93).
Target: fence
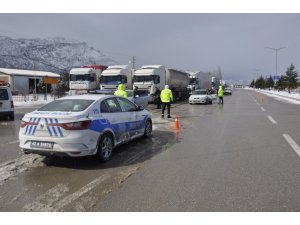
(20,98)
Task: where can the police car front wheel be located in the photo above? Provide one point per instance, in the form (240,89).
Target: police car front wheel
(148,128)
(105,147)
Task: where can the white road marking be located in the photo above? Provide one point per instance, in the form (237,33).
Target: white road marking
(12,142)
(43,202)
(262,108)
(72,197)
(292,143)
(272,120)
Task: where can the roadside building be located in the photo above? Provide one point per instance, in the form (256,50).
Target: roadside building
(26,81)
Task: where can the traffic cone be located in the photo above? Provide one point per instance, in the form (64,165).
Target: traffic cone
(176,123)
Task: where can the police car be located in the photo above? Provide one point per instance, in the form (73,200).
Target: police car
(83,125)
(200,96)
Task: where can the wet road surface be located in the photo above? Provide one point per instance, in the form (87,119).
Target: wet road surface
(225,158)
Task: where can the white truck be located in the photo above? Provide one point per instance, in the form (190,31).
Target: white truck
(85,79)
(115,75)
(151,79)
(194,81)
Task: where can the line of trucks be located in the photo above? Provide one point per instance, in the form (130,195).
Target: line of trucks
(147,80)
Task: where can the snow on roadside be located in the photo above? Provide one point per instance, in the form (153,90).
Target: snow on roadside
(40,101)
(14,167)
(293,98)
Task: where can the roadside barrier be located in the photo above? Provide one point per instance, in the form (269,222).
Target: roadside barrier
(20,98)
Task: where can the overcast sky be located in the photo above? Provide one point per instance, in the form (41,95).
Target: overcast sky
(235,42)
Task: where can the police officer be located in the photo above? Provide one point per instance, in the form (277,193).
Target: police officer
(155,93)
(121,91)
(166,98)
(220,94)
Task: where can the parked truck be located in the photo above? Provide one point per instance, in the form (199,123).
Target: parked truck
(151,79)
(194,81)
(85,79)
(115,75)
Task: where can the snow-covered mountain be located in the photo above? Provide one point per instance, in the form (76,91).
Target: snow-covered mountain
(50,54)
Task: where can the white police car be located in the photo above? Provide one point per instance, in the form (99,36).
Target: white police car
(200,96)
(83,125)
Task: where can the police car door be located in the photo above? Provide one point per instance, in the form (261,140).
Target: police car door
(135,124)
(117,119)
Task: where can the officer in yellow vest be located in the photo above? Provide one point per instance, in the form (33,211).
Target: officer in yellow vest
(166,98)
(121,91)
(220,94)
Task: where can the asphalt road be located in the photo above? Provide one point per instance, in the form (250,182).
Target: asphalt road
(233,157)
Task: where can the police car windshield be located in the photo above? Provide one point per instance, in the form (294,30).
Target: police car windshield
(67,105)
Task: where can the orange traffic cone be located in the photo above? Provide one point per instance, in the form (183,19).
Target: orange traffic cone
(176,123)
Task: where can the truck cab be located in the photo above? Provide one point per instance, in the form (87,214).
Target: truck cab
(150,78)
(85,78)
(115,75)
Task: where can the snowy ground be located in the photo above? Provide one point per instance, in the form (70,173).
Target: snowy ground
(40,101)
(292,97)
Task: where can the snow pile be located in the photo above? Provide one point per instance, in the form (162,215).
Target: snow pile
(293,97)
(14,167)
(40,101)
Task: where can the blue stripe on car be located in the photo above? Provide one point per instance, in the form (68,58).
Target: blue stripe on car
(58,128)
(53,128)
(102,124)
(27,126)
(49,130)
(33,132)
(30,128)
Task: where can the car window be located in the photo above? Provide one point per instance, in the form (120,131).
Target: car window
(103,107)
(127,105)
(3,94)
(199,92)
(67,105)
(113,105)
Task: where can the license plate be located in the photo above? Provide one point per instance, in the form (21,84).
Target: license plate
(41,144)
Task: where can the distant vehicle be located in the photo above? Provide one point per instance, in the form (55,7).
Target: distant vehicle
(194,81)
(200,96)
(84,79)
(115,75)
(83,125)
(227,91)
(6,103)
(151,79)
(140,100)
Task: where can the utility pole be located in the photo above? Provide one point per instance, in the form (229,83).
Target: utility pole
(276,50)
(133,62)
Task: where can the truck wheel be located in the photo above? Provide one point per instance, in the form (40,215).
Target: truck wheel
(148,129)
(105,147)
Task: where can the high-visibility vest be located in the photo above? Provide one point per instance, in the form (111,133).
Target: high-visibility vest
(166,95)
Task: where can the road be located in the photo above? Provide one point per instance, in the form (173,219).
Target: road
(240,156)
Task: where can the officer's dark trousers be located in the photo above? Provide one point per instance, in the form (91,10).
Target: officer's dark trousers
(221,100)
(164,105)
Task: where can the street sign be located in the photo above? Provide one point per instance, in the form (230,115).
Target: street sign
(50,80)
(276,77)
